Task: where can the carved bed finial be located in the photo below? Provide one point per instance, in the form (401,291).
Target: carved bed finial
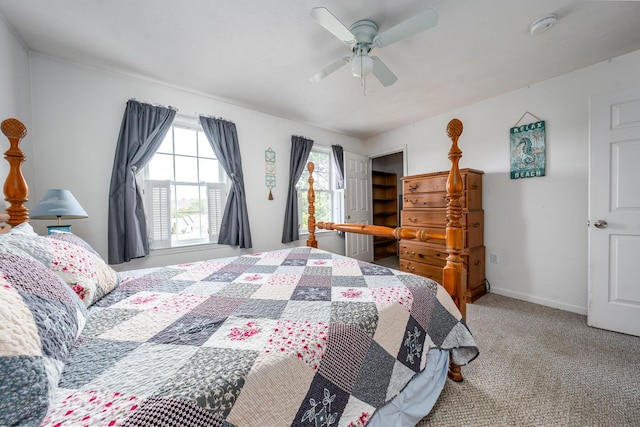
(16,190)
(454,128)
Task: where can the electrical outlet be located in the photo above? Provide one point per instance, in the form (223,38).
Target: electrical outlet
(493,258)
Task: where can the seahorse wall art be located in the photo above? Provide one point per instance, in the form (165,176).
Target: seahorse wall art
(528,150)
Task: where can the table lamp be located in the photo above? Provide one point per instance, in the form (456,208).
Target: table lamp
(58,204)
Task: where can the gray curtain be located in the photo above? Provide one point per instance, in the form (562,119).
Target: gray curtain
(223,137)
(300,149)
(338,157)
(141,133)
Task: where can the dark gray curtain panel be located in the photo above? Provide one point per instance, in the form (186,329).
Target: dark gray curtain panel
(223,137)
(300,150)
(338,157)
(141,133)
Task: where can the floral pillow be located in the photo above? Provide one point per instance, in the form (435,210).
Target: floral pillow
(40,319)
(81,268)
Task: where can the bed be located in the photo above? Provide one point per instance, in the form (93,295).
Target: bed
(297,336)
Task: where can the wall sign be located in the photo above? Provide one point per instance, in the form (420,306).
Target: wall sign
(528,150)
(270,170)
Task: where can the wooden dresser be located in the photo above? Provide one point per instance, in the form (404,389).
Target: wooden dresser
(424,206)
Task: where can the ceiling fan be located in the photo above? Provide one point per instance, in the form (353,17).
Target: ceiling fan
(363,36)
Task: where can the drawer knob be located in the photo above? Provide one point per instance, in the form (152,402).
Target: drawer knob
(475,186)
(413,187)
(478,262)
(414,201)
(412,219)
(476,224)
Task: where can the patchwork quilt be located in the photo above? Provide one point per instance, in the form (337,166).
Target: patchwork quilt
(292,337)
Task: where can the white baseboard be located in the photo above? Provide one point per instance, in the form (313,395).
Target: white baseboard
(541,301)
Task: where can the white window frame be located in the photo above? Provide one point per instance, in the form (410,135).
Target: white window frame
(336,195)
(220,189)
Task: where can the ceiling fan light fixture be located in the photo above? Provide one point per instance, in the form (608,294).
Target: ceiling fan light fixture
(361,65)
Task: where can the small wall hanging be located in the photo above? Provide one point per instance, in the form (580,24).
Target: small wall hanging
(528,149)
(270,170)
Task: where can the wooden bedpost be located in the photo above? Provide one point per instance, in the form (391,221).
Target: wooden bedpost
(15,187)
(311,198)
(454,277)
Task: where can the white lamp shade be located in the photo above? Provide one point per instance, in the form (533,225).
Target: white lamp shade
(56,204)
(361,65)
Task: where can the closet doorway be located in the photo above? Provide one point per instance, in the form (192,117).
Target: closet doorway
(387,169)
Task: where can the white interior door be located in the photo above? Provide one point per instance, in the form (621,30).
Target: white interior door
(614,212)
(357,207)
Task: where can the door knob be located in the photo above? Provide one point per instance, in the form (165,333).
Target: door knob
(600,223)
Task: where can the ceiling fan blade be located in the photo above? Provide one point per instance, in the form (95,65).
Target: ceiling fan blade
(422,21)
(329,69)
(382,72)
(332,24)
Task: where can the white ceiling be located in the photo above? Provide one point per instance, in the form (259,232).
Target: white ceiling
(260,53)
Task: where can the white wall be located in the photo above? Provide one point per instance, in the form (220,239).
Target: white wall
(536,226)
(15,93)
(77,112)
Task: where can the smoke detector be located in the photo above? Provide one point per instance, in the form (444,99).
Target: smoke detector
(542,24)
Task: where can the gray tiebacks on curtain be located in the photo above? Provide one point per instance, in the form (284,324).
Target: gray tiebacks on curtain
(223,137)
(300,150)
(338,157)
(141,133)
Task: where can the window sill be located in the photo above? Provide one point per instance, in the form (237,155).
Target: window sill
(198,247)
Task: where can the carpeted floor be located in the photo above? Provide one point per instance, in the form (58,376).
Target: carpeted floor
(540,366)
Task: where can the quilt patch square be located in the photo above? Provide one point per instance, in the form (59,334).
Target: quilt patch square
(413,345)
(284,279)
(322,405)
(199,271)
(305,340)
(261,308)
(90,408)
(423,303)
(350,281)
(307,280)
(189,330)
(239,290)
(144,370)
(203,288)
(218,306)
(175,412)
(253,278)
(90,358)
(100,321)
(171,286)
(208,381)
(280,292)
(295,262)
(374,377)
(223,276)
(319,262)
(315,311)
(141,283)
(441,323)
(363,315)
(312,270)
(342,362)
(341,293)
(375,270)
(382,281)
(141,327)
(261,268)
(243,334)
(311,293)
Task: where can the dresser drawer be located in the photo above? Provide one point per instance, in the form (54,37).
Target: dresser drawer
(421,269)
(429,190)
(413,251)
(438,218)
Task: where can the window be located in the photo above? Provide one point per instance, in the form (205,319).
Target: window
(329,201)
(184,189)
